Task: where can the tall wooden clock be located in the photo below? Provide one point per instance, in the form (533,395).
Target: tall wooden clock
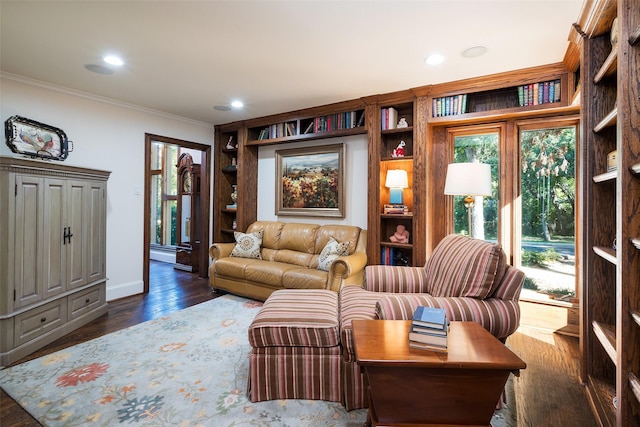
(188,215)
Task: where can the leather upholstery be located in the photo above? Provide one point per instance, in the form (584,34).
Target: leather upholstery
(290,254)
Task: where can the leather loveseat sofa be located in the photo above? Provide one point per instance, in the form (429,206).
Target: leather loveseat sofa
(290,256)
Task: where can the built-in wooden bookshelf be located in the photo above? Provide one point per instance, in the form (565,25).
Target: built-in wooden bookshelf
(309,125)
(235,167)
(505,95)
(392,146)
(610,221)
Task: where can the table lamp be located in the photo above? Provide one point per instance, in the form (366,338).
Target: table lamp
(397,181)
(469,180)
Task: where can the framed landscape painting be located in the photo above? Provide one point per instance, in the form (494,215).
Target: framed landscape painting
(309,181)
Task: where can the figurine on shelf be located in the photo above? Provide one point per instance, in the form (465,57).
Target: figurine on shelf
(231,145)
(401,235)
(399,150)
(402,123)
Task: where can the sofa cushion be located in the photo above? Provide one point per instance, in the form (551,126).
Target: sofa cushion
(464,267)
(297,318)
(330,252)
(247,245)
(304,278)
(355,303)
(266,272)
(298,237)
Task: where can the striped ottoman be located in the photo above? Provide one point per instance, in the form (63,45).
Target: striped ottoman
(295,347)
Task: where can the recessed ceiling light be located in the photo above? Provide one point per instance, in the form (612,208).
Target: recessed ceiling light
(434,59)
(222,108)
(237,104)
(473,52)
(113,60)
(100,69)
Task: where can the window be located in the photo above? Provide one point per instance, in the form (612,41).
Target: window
(532,209)
(164,189)
(479,145)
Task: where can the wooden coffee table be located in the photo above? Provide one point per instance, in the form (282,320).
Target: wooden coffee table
(410,387)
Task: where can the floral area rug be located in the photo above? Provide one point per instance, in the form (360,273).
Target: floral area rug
(185,369)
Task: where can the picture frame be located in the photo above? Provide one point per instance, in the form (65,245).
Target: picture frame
(310,181)
(35,139)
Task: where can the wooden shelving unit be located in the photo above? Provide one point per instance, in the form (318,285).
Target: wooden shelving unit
(316,123)
(392,147)
(610,341)
(500,97)
(236,164)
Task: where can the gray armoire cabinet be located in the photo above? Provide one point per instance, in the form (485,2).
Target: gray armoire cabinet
(52,252)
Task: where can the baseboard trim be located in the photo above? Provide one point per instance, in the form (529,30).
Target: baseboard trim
(124,290)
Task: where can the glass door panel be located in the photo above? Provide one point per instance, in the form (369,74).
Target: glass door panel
(480,148)
(548,202)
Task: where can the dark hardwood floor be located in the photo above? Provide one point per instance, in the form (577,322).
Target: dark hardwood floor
(547,393)
(170,290)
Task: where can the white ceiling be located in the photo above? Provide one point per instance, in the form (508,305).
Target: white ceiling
(185,57)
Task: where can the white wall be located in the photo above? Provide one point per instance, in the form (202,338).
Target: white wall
(107,135)
(356,199)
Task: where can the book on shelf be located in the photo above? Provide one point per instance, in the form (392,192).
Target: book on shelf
(394,209)
(449,105)
(389,118)
(431,317)
(539,93)
(393,256)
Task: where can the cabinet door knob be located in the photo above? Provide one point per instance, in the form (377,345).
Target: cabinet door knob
(87,301)
(42,320)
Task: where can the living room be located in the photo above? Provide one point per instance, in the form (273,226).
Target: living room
(108,133)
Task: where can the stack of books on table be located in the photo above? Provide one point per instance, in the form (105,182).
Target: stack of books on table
(429,329)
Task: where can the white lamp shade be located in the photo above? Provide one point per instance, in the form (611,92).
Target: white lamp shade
(397,178)
(468,179)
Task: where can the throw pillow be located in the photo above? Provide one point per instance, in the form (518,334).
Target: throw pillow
(248,244)
(330,252)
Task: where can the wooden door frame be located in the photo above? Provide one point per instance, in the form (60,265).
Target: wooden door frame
(205,182)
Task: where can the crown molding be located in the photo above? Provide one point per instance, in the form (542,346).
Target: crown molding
(98,98)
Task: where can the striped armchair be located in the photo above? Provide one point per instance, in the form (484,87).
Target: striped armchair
(468,278)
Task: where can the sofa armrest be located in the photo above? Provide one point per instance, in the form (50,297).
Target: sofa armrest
(220,250)
(391,278)
(346,269)
(500,317)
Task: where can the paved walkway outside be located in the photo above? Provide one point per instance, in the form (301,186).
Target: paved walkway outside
(558,275)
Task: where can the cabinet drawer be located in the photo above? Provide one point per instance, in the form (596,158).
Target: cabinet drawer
(40,320)
(86,301)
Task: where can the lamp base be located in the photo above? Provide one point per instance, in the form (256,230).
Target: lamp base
(395,196)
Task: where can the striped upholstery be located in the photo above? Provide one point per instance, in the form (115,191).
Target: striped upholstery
(355,303)
(297,318)
(500,317)
(302,341)
(464,267)
(381,278)
(392,292)
(295,347)
(295,373)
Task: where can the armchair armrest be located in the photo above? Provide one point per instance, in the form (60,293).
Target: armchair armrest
(347,270)
(396,279)
(220,250)
(500,317)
